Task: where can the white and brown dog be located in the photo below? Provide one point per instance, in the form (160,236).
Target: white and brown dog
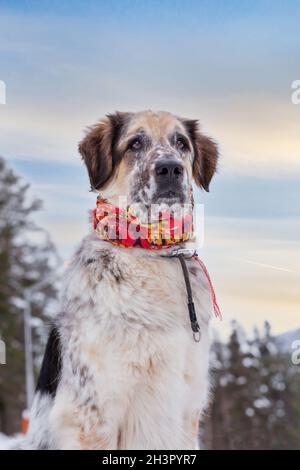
(121,369)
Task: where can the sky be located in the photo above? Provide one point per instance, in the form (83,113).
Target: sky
(230,64)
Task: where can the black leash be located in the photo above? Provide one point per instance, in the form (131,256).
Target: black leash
(191,307)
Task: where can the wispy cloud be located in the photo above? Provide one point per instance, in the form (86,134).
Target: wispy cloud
(264,265)
(77,67)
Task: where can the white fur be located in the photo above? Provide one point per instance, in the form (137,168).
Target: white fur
(132,375)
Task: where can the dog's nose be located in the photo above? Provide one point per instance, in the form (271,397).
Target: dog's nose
(169,170)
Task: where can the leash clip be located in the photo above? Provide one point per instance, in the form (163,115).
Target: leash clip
(197,336)
(185,252)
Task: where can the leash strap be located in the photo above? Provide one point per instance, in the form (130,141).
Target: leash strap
(191,307)
(181,254)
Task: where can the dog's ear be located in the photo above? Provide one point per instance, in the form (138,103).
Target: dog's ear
(98,148)
(206,155)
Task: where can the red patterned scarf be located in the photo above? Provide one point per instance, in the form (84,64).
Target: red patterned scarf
(123,228)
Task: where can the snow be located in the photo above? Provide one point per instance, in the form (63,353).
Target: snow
(8,442)
(285,340)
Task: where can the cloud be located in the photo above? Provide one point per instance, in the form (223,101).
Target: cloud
(264,265)
(254,265)
(65,72)
(259,197)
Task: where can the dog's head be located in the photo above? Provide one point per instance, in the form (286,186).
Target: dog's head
(148,157)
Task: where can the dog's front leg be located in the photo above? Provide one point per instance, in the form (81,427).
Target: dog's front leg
(191,428)
(82,426)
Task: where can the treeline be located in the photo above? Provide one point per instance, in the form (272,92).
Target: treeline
(27,259)
(256,398)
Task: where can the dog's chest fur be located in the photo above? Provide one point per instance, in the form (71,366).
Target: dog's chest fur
(132,375)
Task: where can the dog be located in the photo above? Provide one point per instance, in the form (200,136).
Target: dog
(121,368)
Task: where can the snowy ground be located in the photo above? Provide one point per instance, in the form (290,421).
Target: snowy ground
(7,442)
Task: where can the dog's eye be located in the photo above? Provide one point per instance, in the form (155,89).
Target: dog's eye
(136,144)
(181,143)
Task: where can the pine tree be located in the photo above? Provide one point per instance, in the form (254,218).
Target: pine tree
(274,396)
(27,258)
(256,397)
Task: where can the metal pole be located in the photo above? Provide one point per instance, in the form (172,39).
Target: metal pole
(30,388)
(28,352)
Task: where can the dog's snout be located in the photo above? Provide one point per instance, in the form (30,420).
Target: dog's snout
(169,170)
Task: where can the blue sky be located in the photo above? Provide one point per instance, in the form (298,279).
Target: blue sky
(229,63)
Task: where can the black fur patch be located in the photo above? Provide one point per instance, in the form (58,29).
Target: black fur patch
(51,365)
